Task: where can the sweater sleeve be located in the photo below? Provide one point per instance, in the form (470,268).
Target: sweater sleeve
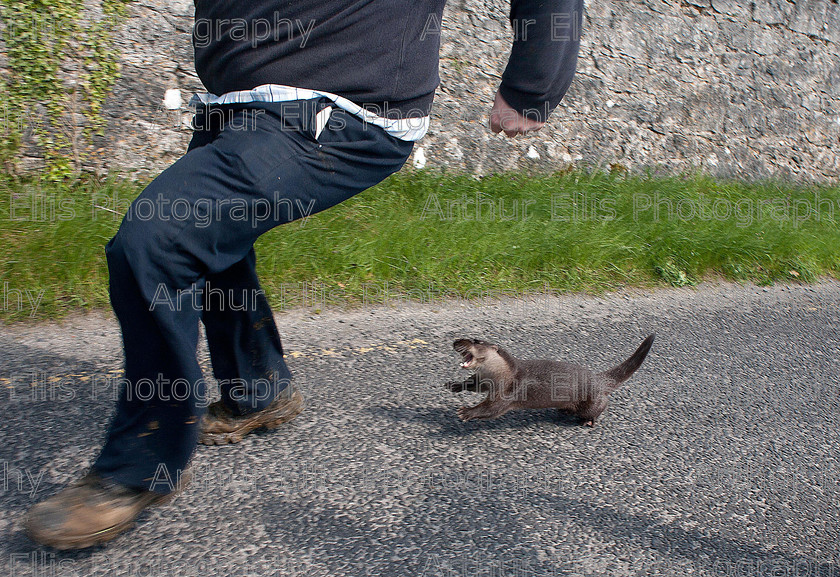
(544,55)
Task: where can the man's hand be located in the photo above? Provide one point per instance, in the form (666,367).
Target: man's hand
(503,117)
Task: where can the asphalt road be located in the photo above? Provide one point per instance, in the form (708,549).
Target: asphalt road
(719,457)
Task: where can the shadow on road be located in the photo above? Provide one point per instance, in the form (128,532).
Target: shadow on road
(445,422)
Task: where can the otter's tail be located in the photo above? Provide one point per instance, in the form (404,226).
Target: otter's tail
(622,372)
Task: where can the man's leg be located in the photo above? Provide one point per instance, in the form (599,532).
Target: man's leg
(244,343)
(197,219)
(247,358)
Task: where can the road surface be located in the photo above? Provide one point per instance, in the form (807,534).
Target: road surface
(719,457)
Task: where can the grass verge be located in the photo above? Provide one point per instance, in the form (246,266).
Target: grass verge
(421,236)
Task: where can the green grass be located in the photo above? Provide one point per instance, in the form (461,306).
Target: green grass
(419,235)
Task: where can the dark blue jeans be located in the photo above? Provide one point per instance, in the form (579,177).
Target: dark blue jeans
(184,253)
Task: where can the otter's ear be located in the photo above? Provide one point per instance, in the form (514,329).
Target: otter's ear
(495,347)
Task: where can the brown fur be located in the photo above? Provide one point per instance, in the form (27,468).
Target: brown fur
(512,383)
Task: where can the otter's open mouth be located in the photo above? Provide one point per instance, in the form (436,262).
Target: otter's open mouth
(464,347)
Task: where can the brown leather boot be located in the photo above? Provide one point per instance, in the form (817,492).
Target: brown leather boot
(219,426)
(91,511)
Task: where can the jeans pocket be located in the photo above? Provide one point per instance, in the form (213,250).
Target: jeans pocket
(322,120)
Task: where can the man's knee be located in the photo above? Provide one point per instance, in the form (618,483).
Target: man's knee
(133,240)
(155,218)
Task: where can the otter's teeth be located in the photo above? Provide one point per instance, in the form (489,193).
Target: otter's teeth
(464,365)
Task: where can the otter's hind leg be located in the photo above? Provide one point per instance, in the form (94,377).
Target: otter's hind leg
(592,412)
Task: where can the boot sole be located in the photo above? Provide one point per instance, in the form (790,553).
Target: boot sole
(97,538)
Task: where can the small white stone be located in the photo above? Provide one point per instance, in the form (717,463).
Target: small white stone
(610,103)
(713,159)
(172,99)
(532,153)
(419,158)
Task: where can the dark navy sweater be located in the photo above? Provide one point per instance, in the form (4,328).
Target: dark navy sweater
(382,54)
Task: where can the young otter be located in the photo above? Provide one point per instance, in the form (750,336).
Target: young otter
(537,384)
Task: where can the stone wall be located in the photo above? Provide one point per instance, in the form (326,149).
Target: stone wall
(733,88)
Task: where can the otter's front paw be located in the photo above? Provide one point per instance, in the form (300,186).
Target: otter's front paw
(467,413)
